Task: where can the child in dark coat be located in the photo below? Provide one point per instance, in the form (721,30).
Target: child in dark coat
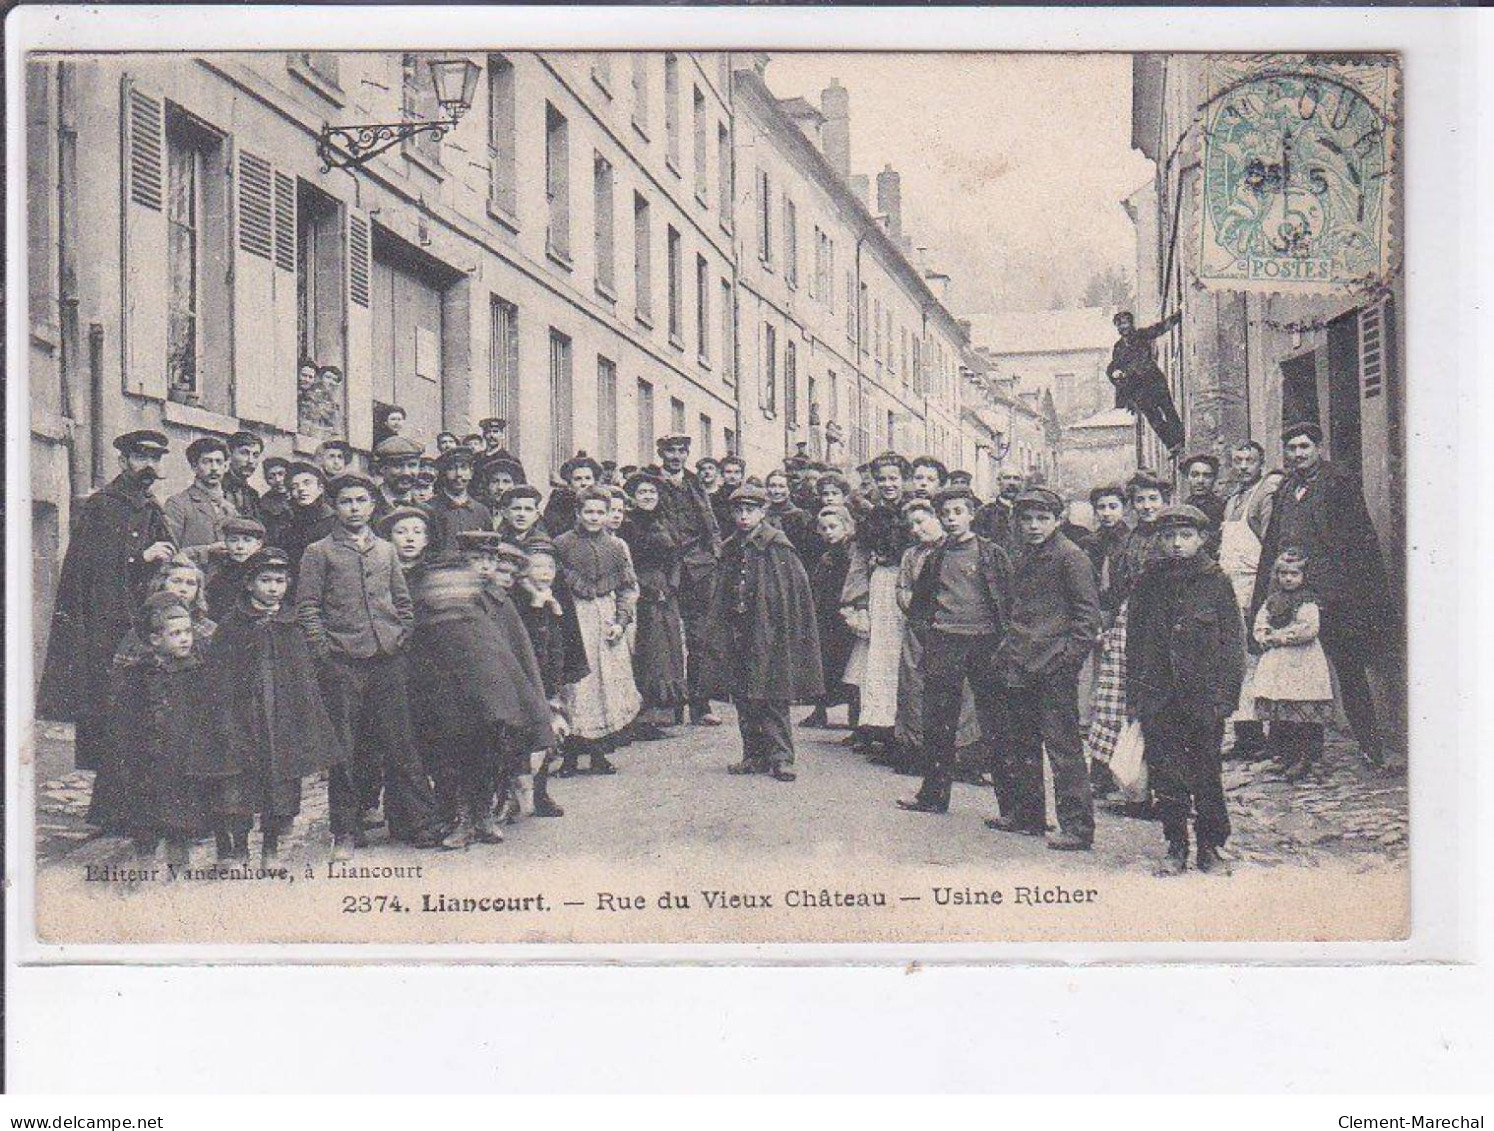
(659,646)
(158,704)
(765,644)
(242,539)
(550,619)
(273,727)
(1185,661)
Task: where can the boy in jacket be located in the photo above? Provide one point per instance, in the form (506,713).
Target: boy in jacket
(962,602)
(1055,620)
(354,606)
(1185,661)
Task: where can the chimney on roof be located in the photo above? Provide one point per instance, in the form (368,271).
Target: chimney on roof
(890,201)
(835,134)
(966,326)
(760,60)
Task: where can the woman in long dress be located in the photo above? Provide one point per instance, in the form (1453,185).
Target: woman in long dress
(1148,494)
(598,570)
(882,536)
(658,646)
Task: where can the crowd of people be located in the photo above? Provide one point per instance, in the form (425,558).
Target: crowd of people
(442,639)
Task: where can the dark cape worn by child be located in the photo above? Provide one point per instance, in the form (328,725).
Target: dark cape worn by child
(472,667)
(272,726)
(764,642)
(659,647)
(827,580)
(159,712)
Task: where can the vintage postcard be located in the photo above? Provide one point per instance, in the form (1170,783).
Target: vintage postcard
(714,497)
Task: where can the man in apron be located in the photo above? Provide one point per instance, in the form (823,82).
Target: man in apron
(1247,510)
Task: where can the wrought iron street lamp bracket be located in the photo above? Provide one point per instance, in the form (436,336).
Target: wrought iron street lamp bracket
(353,146)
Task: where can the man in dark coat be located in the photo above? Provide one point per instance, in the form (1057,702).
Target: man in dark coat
(1140,385)
(1202,473)
(244,450)
(1320,510)
(994,521)
(453,509)
(309,517)
(764,643)
(1185,662)
(733,475)
(274,504)
(687,508)
(118,539)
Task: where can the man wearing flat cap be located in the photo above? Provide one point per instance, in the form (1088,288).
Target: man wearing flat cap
(687,508)
(453,509)
(1053,626)
(196,515)
(494,431)
(398,461)
(119,537)
(1320,510)
(274,504)
(309,517)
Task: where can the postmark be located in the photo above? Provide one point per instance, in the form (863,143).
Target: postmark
(1297,174)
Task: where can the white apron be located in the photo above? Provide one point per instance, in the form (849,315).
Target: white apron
(1240,559)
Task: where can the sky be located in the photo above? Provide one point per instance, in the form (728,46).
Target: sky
(1013,166)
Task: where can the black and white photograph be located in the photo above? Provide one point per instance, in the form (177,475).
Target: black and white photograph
(715,496)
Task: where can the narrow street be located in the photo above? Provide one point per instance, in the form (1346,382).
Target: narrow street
(673,798)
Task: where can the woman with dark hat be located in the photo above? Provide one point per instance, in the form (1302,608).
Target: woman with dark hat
(577,474)
(658,650)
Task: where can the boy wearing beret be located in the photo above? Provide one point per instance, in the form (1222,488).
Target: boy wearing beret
(274,728)
(157,705)
(763,637)
(1055,621)
(1185,661)
(355,609)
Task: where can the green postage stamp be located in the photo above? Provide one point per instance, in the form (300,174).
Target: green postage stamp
(1298,169)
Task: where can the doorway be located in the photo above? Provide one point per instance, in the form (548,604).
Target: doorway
(408,334)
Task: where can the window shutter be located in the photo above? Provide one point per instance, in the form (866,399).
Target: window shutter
(143,220)
(359,245)
(281,397)
(254,368)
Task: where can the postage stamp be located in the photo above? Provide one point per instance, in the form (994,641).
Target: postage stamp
(1298,162)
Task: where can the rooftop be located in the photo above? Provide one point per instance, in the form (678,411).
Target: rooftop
(1110,418)
(1045,331)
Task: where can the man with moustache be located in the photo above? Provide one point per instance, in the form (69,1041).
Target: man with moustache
(119,537)
(687,508)
(995,521)
(195,516)
(398,460)
(1320,510)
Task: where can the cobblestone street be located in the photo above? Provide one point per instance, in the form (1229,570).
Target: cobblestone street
(674,796)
